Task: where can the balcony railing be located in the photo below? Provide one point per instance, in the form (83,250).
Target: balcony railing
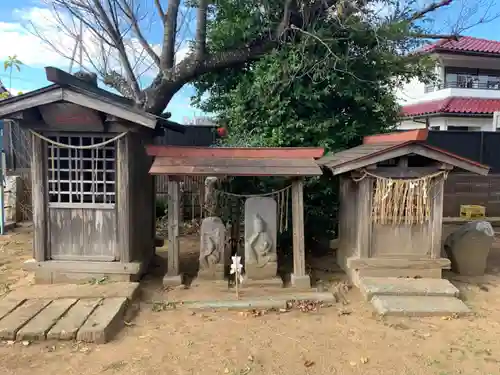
(492,85)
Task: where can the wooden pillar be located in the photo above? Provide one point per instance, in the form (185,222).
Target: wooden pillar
(436,224)
(299,277)
(39,199)
(173,272)
(364,217)
(124,203)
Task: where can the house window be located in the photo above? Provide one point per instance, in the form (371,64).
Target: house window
(81,175)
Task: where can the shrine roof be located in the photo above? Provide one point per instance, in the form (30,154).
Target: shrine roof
(382,147)
(70,89)
(237,161)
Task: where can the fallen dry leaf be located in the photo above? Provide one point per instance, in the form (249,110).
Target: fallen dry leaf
(308,363)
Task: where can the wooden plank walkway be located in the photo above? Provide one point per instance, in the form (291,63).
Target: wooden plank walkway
(87,319)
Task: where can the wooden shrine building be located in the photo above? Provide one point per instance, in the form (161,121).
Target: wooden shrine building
(293,163)
(391,205)
(93,199)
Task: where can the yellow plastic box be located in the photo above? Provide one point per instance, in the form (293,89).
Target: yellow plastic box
(472,211)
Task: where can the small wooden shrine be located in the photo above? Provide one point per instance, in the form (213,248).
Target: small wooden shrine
(260,252)
(391,205)
(93,199)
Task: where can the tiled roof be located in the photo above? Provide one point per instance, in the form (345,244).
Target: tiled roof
(453,105)
(465,44)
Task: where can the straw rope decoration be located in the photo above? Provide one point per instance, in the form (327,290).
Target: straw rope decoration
(402,201)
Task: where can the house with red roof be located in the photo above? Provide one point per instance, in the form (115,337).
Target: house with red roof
(466,93)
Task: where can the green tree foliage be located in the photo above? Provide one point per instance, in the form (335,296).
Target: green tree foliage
(9,65)
(332,87)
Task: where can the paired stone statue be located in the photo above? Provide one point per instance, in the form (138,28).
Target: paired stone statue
(260,238)
(212,243)
(260,242)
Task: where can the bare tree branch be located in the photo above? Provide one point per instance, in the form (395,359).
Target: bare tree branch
(167,58)
(429,9)
(159,8)
(135,26)
(201,30)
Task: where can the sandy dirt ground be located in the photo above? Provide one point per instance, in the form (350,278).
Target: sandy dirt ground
(342,339)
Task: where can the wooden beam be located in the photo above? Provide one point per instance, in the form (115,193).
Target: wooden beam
(9,106)
(400,172)
(173,212)
(115,109)
(235,152)
(455,160)
(40,199)
(123,204)
(299,262)
(364,217)
(63,78)
(436,223)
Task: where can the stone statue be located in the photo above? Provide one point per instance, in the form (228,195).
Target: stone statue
(212,245)
(261,242)
(260,238)
(210,253)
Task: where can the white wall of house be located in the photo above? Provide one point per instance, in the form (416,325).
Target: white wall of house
(443,123)
(414,91)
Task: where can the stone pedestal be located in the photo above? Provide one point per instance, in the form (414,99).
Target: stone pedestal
(256,272)
(175,280)
(300,282)
(213,272)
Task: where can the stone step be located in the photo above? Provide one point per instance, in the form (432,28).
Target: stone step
(418,306)
(393,286)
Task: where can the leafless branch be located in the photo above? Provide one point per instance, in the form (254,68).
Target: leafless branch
(159,8)
(167,58)
(201,30)
(429,9)
(135,26)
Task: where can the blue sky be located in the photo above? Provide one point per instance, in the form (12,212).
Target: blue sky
(16,40)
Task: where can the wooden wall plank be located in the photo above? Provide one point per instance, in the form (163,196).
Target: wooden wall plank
(39,199)
(436,224)
(299,260)
(123,198)
(364,217)
(66,233)
(173,228)
(99,234)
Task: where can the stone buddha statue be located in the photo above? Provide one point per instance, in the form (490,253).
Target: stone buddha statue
(261,243)
(211,253)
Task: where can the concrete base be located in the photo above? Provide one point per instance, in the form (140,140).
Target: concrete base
(214,272)
(419,306)
(56,277)
(357,268)
(392,286)
(276,302)
(255,272)
(175,280)
(300,282)
(79,272)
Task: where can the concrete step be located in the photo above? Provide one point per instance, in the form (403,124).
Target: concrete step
(393,286)
(419,306)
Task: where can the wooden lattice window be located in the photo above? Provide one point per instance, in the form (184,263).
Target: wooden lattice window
(81,175)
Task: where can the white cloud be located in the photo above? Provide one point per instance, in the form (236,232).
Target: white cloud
(19,38)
